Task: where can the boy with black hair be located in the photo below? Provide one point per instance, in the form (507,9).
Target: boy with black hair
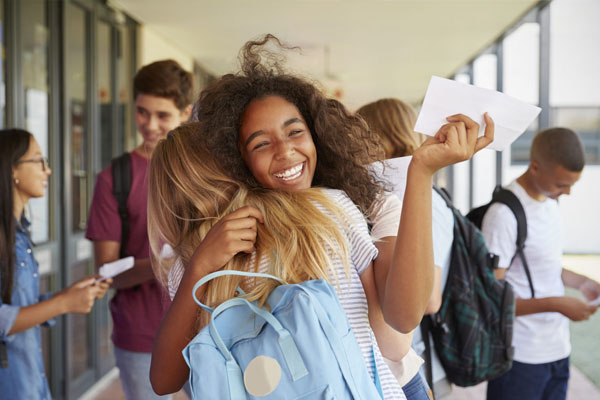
(163,94)
(541,330)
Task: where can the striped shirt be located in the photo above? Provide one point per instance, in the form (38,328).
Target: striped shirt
(349,289)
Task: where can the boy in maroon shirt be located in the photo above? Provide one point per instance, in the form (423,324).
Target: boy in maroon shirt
(163,97)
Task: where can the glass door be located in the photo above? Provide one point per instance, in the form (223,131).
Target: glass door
(79,346)
(106,140)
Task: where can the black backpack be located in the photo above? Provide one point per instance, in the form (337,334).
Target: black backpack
(472,332)
(509,199)
(121,174)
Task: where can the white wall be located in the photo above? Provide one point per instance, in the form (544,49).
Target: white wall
(153,47)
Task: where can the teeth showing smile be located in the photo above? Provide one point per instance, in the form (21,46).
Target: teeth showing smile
(291,173)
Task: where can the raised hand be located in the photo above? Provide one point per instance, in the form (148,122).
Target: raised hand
(454,142)
(233,234)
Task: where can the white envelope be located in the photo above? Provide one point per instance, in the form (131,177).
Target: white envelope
(446,97)
(112,269)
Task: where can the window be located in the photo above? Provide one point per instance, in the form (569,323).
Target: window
(521,77)
(34,37)
(574,67)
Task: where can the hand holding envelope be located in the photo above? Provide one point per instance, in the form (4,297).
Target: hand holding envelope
(446,97)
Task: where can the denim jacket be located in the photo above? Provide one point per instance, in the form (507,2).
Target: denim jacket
(25,377)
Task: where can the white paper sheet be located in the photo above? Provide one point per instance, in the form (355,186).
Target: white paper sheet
(446,97)
(394,174)
(595,302)
(112,269)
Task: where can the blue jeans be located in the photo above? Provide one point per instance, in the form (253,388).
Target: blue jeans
(134,371)
(416,389)
(532,382)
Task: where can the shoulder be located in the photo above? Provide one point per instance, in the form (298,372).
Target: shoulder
(498,214)
(138,162)
(341,199)
(104,180)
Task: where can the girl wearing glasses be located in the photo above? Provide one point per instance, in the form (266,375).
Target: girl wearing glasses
(24,174)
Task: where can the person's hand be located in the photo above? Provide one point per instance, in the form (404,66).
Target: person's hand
(575,309)
(79,297)
(454,142)
(233,234)
(103,286)
(590,289)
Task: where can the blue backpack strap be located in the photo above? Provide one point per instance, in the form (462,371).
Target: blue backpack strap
(376,374)
(235,380)
(224,272)
(287,344)
(338,350)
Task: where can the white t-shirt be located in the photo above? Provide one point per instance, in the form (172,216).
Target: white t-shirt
(543,337)
(350,291)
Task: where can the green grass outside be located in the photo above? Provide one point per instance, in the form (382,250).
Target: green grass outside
(585,339)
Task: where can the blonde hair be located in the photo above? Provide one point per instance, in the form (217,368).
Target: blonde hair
(393,121)
(188,194)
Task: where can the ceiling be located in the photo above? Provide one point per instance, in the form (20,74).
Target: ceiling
(363,49)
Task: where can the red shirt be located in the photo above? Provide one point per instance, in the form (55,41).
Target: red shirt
(137,312)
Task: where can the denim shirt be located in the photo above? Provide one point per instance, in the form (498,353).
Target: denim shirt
(25,377)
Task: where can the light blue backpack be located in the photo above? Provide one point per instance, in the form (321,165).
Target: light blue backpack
(302,349)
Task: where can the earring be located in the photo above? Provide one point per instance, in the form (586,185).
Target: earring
(16,181)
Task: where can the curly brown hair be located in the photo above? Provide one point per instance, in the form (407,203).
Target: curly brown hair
(342,140)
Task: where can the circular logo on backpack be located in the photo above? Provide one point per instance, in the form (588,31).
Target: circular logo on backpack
(262,376)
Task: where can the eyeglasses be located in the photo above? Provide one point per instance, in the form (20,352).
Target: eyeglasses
(42,160)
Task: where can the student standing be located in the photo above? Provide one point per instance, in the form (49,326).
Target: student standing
(541,330)
(24,173)
(163,97)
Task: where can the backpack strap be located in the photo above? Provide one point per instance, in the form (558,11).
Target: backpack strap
(445,195)
(121,174)
(224,272)
(509,199)
(425,335)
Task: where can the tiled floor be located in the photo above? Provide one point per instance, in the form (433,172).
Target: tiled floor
(580,388)
(114,392)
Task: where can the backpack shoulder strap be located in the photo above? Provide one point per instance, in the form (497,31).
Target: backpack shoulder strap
(509,199)
(445,195)
(121,174)
(425,335)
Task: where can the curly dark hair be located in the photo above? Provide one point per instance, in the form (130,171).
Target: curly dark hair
(343,142)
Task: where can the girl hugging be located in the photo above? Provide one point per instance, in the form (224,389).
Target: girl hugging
(240,189)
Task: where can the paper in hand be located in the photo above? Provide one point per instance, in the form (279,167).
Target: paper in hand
(595,302)
(446,97)
(112,269)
